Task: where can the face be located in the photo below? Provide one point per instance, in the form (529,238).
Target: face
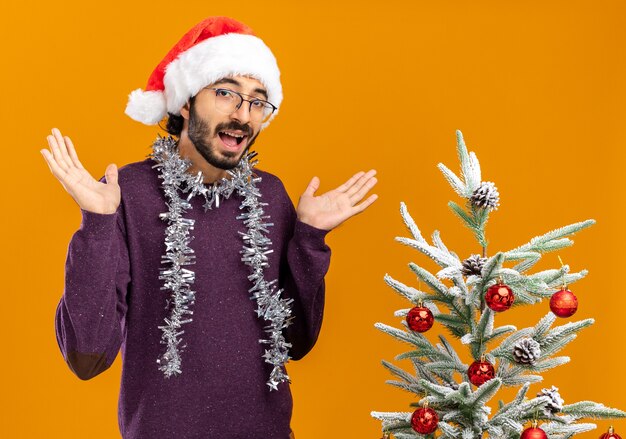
(222,139)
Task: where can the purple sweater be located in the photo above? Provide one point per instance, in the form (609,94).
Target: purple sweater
(113,299)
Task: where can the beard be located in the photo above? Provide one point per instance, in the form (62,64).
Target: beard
(199,131)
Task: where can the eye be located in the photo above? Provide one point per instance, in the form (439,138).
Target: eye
(258,104)
(222,92)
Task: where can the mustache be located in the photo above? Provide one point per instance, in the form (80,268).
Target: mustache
(233,125)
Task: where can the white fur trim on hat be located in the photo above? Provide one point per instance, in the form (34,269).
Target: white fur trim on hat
(147,107)
(216,58)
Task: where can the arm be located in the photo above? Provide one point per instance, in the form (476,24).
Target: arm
(90,316)
(308,257)
(303,270)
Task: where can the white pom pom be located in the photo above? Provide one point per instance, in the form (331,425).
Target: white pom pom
(147,107)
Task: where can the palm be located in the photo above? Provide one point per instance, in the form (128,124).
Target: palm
(332,208)
(92,194)
(89,194)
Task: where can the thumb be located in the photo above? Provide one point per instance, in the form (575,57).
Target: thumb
(314,185)
(111,174)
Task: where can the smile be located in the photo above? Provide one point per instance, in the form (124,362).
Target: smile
(233,139)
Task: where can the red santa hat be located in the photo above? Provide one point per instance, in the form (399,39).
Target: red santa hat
(213,49)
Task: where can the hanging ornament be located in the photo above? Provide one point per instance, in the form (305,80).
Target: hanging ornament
(480,372)
(610,434)
(420,318)
(386,436)
(563,303)
(424,420)
(534,432)
(499,297)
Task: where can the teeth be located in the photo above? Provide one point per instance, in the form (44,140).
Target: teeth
(233,134)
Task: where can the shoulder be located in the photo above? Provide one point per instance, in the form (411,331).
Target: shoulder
(139,183)
(271,185)
(137,172)
(268,178)
(273,191)
(139,178)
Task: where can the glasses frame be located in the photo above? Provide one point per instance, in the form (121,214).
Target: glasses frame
(242,99)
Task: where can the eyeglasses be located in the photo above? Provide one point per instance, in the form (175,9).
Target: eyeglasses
(228,101)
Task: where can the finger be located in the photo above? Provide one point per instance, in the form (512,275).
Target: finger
(344,187)
(111,174)
(365,204)
(72,152)
(54,167)
(48,158)
(360,183)
(62,147)
(56,152)
(364,190)
(313,186)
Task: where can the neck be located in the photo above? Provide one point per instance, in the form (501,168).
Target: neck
(187,150)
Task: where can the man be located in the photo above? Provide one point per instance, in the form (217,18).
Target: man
(144,229)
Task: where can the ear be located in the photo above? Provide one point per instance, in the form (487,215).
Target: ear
(184,111)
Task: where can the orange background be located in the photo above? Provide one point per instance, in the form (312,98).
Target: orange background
(538,89)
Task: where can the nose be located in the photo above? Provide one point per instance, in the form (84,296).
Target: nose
(242,114)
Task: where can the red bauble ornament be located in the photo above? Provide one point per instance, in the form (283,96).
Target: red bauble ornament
(534,433)
(499,297)
(424,420)
(610,435)
(563,303)
(420,319)
(480,372)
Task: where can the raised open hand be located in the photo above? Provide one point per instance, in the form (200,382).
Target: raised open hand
(329,210)
(89,193)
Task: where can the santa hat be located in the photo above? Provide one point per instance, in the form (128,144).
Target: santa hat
(213,49)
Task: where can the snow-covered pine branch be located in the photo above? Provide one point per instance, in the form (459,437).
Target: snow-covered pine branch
(414,339)
(410,293)
(558,333)
(552,240)
(593,410)
(556,430)
(410,223)
(442,258)
(435,285)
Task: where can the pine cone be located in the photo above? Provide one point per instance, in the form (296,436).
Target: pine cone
(555,404)
(473,265)
(526,351)
(486,196)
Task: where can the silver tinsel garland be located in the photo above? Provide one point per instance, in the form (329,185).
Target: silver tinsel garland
(256,247)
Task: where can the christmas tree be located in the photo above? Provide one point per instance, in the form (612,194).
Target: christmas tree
(464,297)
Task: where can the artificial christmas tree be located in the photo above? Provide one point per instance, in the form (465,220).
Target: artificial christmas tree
(464,296)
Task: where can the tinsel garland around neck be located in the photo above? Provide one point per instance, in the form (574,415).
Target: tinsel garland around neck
(256,246)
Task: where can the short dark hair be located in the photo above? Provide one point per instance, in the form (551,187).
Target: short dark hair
(174,124)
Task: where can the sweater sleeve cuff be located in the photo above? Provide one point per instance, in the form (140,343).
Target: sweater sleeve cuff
(309,236)
(99,226)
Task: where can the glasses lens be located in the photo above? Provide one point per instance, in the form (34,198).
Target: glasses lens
(260,111)
(226,101)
